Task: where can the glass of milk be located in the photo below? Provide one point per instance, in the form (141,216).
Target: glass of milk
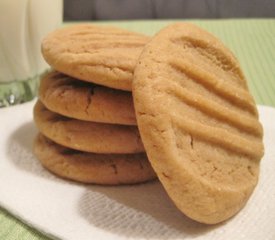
(23,24)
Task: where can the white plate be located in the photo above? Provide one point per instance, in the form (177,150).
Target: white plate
(68,210)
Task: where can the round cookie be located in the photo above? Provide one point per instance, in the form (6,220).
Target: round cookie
(110,169)
(87,136)
(86,101)
(104,55)
(198,122)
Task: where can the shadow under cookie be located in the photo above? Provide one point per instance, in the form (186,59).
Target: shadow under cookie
(140,211)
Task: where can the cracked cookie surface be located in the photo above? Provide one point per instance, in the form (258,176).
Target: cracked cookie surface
(110,169)
(104,55)
(86,101)
(87,136)
(198,122)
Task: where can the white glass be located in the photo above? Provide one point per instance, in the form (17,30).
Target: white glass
(23,24)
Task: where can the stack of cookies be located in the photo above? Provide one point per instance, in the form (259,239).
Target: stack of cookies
(85,111)
(196,118)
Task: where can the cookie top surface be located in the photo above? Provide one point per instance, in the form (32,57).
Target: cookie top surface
(86,101)
(111,169)
(87,136)
(198,122)
(99,54)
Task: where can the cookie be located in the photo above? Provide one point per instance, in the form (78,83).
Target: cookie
(110,169)
(87,136)
(86,101)
(198,122)
(104,55)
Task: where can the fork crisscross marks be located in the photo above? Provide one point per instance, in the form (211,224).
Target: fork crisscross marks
(215,85)
(217,111)
(219,137)
(219,102)
(213,54)
(229,127)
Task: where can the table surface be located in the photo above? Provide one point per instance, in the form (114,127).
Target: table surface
(251,40)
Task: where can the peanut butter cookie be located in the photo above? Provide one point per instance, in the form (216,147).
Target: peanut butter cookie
(87,136)
(86,101)
(104,55)
(110,169)
(198,122)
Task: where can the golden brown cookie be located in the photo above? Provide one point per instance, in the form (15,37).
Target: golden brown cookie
(86,101)
(87,136)
(111,169)
(104,55)
(198,122)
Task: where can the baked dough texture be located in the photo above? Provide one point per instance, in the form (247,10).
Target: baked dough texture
(86,101)
(104,55)
(198,122)
(87,136)
(107,169)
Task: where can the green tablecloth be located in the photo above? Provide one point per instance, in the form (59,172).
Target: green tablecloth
(252,41)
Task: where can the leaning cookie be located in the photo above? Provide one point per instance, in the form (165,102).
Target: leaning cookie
(198,122)
(99,54)
(87,136)
(86,101)
(109,169)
